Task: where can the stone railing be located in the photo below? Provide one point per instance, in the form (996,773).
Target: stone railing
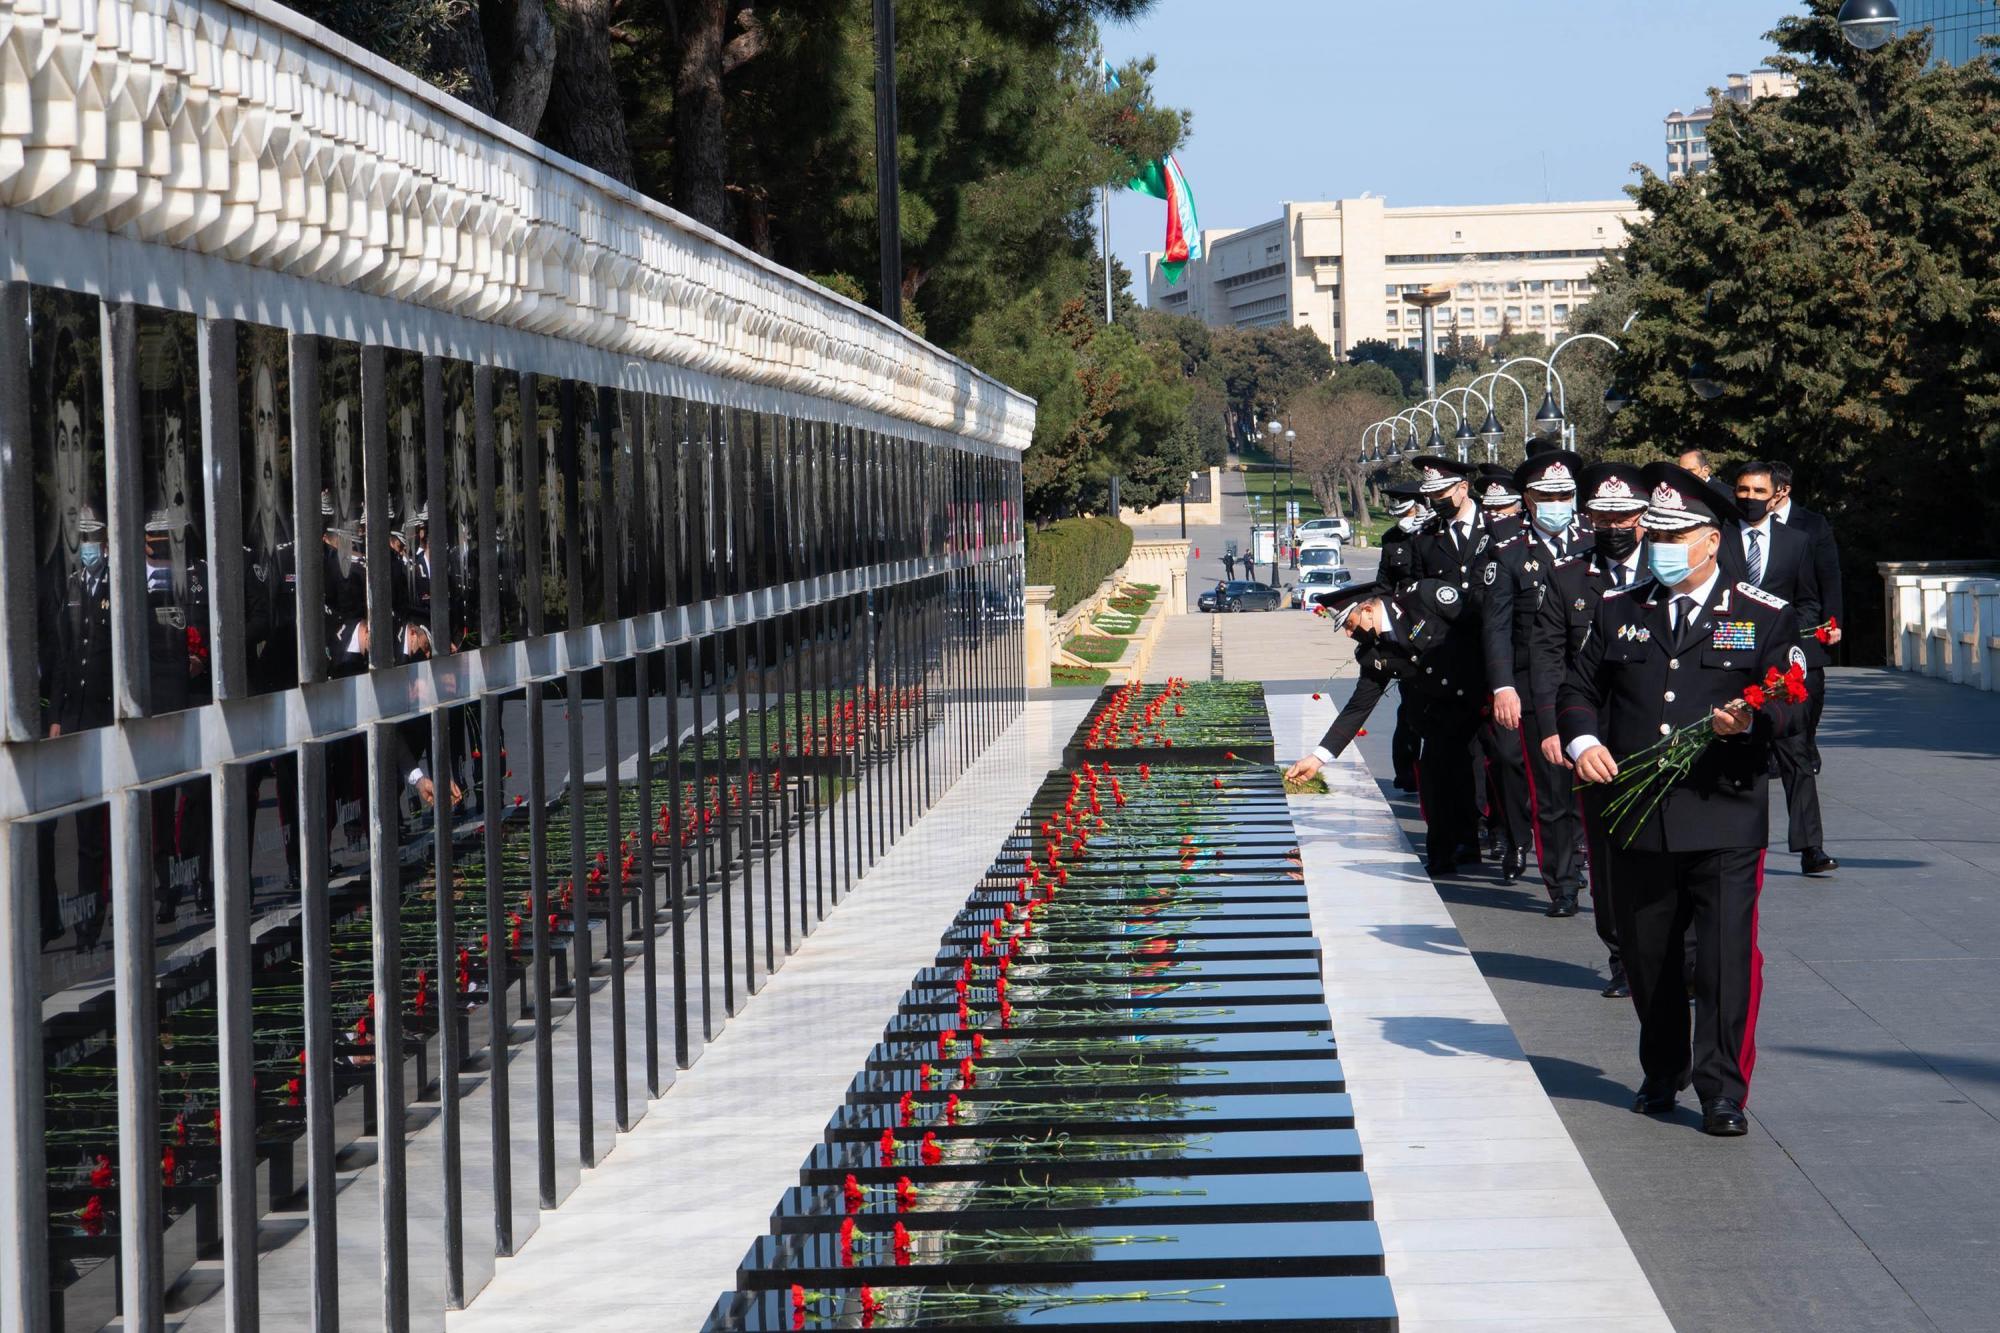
(1162,564)
(242,131)
(1942,618)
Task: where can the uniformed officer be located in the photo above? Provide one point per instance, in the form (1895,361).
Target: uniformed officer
(1517,582)
(1499,501)
(1399,566)
(1679,652)
(177,647)
(76,679)
(1614,502)
(1422,635)
(1454,550)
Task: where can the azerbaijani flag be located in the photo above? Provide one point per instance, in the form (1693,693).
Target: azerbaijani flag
(1163,179)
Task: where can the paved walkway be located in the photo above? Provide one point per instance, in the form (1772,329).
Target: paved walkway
(1867,1196)
(1489,1218)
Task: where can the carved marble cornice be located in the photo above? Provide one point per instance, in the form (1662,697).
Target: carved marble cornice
(240,130)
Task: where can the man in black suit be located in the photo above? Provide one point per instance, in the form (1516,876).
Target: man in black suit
(1679,653)
(1779,560)
(1614,498)
(1424,637)
(1826,563)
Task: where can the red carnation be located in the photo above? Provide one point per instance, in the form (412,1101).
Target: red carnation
(91,1217)
(851,1190)
(929,1150)
(903,1105)
(1754,696)
(101,1174)
(888,1147)
(906,1194)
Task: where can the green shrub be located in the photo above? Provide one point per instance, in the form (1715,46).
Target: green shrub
(1064,674)
(1075,555)
(1095,648)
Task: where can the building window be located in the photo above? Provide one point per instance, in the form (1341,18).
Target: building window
(1513,314)
(1492,340)
(1464,289)
(1490,315)
(1535,287)
(1561,312)
(1538,313)
(1559,284)
(1513,289)
(1414,342)
(1394,318)
(1489,289)
(1392,290)
(1465,314)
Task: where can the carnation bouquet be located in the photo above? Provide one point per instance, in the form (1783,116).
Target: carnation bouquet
(1645,778)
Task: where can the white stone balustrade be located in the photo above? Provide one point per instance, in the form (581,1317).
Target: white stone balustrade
(238,129)
(1942,619)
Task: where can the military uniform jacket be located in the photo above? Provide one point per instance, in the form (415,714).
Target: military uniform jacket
(1576,585)
(1440,555)
(78,679)
(1516,582)
(1633,684)
(1399,555)
(1432,651)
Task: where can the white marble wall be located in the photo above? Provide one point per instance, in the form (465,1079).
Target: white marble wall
(239,130)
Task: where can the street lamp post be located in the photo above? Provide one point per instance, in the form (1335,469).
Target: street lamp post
(1276,428)
(1291,452)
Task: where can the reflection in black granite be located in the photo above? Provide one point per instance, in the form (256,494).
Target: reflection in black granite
(344,577)
(176,663)
(72,551)
(458,538)
(270,566)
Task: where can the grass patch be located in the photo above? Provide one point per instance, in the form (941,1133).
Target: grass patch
(1121,625)
(1063,674)
(1095,648)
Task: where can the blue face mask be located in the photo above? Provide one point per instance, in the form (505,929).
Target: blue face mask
(1670,563)
(1554,515)
(91,553)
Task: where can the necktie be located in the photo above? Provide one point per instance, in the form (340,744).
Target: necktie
(1458,533)
(1756,556)
(1618,576)
(1683,617)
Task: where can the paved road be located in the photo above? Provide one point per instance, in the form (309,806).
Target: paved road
(1283,645)
(1867,1196)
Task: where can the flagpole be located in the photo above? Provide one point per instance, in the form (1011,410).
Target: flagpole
(1104,243)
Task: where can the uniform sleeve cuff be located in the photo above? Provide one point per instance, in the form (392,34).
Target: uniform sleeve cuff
(1324,755)
(416,775)
(1581,746)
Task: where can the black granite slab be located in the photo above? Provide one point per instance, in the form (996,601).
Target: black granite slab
(1093,1111)
(1027,1025)
(1242,1305)
(1080,1054)
(1133,1200)
(1115,1252)
(1010,1157)
(1002,1079)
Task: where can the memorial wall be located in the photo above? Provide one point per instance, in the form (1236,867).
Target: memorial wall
(461,626)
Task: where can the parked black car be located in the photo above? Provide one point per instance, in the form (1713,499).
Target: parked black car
(1241,595)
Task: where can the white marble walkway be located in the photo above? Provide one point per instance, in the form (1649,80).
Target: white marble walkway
(651,1237)
(1489,1217)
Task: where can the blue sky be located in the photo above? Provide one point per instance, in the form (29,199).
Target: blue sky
(1423,101)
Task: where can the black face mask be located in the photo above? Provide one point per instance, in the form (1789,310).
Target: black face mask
(1617,543)
(1753,510)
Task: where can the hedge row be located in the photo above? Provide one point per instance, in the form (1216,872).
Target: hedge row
(1075,555)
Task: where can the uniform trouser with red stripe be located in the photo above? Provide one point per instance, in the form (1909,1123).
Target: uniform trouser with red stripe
(1590,806)
(1506,783)
(1558,827)
(1660,894)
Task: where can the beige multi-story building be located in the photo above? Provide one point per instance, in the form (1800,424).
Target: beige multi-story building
(1687,131)
(1340,268)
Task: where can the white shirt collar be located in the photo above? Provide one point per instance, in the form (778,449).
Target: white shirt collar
(1762,529)
(1700,594)
(1784,514)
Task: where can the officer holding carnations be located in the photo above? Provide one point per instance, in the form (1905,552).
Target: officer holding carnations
(1671,706)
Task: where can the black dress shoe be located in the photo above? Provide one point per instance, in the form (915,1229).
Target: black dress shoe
(1815,861)
(1723,1118)
(1442,867)
(1618,988)
(1658,1098)
(1564,905)
(1513,865)
(1468,854)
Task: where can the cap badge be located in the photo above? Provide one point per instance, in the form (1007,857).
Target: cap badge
(1615,488)
(1666,497)
(1557,472)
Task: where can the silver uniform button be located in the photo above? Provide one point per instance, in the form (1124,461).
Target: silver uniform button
(1665,730)
(1673,664)
(1670,696)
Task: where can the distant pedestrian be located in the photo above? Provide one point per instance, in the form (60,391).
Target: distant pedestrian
(1229,563)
